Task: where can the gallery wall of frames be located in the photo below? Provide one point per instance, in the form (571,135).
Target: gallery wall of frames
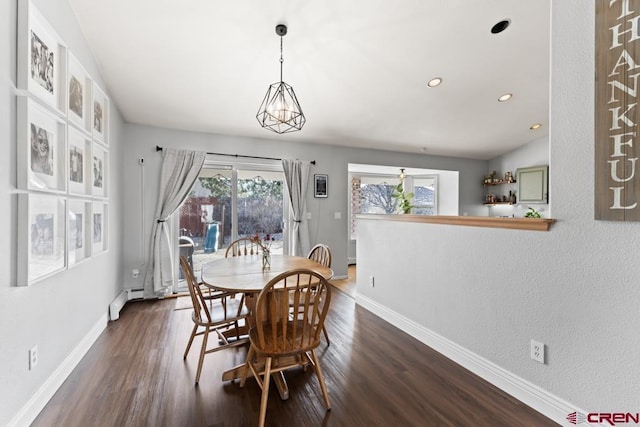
(62,154)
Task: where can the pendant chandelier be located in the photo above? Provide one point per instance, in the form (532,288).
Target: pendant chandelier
(280,111)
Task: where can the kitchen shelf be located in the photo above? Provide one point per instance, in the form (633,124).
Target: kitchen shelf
(499,203)
(500,182)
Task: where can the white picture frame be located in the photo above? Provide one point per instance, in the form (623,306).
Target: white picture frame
(79,222)
(100,115)
(79,87)
(79,161)
(99,227)
(42,58)
(41,237)
(99,170)
(41,150)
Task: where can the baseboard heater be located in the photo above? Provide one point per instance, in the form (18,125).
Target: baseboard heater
(126,295)
(117,304)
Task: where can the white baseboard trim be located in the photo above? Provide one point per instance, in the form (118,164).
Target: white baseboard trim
(530,394)
(38,401)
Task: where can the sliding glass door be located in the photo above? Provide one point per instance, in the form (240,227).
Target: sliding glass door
(228,201)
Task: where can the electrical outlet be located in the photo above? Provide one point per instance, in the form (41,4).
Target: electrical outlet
(372,281)
(135,273)
(33,357)
(537,351)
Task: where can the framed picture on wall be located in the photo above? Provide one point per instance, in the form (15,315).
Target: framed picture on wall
(80,231)
(320,185)
(42,58)
(41,236)
(100,111)
(99,170)
(79,162)
(99,227)
(41,139)
(79,87)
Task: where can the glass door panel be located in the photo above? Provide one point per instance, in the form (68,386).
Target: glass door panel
(260,206)
(205,217)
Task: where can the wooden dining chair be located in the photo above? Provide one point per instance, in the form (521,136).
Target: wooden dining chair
(283,341)
(222,315)
(243,246)
(321,254)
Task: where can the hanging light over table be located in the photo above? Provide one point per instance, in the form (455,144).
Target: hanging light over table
(280,111)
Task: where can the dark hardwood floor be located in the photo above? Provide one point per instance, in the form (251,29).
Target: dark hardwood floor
(134,375)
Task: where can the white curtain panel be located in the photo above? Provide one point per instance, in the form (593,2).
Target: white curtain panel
(296,174)
(180,169)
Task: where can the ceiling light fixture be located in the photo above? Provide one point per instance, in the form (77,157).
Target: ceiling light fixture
(434,82)
(280,111)
(505,97)
(402,175)
(535,126)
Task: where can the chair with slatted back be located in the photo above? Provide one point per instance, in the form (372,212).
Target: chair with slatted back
(221,315)
(321,254)
(243,246)
(283,341)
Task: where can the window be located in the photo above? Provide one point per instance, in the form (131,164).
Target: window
(424,199)
(372,194)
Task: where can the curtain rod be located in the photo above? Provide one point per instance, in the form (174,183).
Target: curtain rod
(313,162)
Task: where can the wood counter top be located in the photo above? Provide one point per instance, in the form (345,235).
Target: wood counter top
(535,224)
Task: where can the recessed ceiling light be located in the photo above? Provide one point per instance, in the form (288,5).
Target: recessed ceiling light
(434,82)
(535,126)
(500,26)
(505,97)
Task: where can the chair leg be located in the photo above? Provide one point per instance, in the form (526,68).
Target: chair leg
(245,369)
(193,335)
(323,387)
(265,391)
(203,350)
(326,335)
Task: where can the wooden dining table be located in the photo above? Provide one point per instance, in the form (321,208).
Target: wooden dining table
(245,275)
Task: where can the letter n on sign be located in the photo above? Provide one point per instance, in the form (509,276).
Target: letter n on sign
(617,110)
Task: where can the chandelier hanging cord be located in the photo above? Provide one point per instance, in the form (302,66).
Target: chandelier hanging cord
(281,60)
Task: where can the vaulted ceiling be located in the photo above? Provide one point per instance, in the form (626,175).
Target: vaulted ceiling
(359,68)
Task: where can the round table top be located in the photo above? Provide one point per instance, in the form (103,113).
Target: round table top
(245,273)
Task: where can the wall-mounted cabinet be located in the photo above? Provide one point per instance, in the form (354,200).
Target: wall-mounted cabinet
(533,184)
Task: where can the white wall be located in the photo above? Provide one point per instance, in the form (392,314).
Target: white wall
(142,140)
(535,153)
(574,288)
(56,313)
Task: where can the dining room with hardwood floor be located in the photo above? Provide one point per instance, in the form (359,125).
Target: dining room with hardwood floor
(470,306)
(376,375)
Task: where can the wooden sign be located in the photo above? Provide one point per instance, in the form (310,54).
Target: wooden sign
(617,110)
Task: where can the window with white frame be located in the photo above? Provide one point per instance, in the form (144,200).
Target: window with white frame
(373,194)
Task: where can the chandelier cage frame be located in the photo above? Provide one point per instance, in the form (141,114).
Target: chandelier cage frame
(280,111)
